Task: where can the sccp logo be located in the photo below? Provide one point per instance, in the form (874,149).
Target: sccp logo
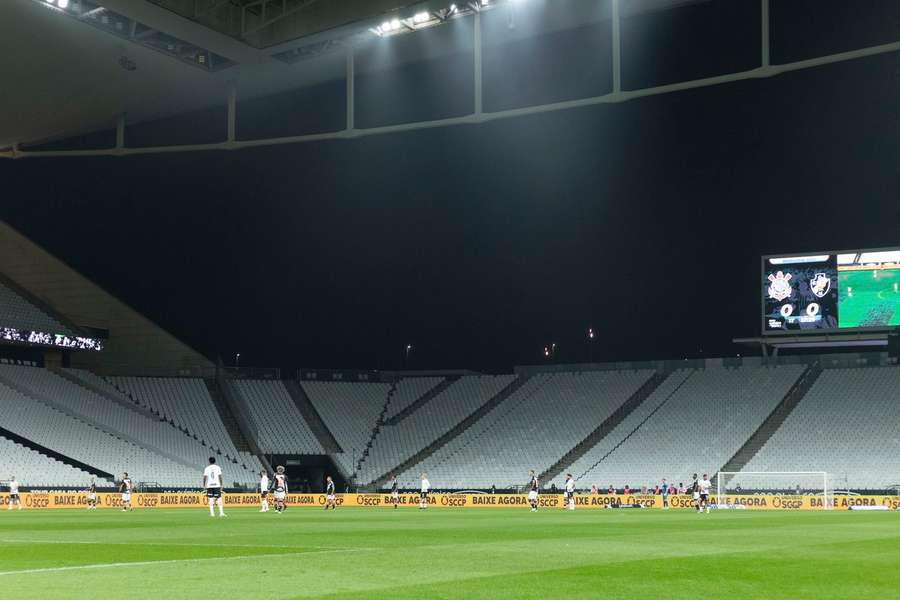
(148,501)
(37,501)
(453,501)
(789,503)
(368,500)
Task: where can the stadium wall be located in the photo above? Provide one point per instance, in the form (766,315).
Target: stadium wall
(136,346)
(63,500)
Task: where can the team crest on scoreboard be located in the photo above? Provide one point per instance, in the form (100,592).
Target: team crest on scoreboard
(820,285)
(780,286)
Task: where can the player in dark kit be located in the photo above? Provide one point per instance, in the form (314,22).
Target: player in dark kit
(281,489)
(695,493)
(329,494)
(533,487)
(395,493)
(92,496)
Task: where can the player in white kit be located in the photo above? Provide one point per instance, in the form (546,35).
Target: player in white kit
(14,494)
(423,493)
(569,496)
(263,491)
(212,483)
(704,485)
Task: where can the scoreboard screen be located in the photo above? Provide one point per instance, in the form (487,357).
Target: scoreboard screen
(850,290)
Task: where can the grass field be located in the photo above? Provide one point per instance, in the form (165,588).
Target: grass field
(874,301)
(465,553)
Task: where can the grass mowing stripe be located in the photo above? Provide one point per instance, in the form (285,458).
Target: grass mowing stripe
(146,563)
(472,554)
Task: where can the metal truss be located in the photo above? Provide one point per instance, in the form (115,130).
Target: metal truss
(119,25)
(350,131)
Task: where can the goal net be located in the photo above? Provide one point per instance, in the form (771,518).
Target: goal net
(733,487)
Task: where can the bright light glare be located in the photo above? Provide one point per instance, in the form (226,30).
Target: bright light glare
(452,8)
(421,17)
(51,1)
(63,3)
(386,26)
(395,24)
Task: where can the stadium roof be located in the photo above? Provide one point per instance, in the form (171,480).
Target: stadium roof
(81,65)
(71,66)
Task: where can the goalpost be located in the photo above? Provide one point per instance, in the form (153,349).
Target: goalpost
(799,483)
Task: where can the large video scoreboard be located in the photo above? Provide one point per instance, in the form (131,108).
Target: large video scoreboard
(833,291)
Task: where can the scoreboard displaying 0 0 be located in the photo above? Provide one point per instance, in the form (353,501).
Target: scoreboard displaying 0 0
(851,290)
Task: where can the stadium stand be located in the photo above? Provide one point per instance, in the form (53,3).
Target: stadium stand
(694,422)
(17,312)
(351,412)
(155,436)
(531,429)
(185,402)
(281,428)
(407,392)
(395,443)
(32,468)
(628,425)
(845,425)
(33,419)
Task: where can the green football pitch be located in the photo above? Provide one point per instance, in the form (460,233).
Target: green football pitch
(869,301)
(460,554)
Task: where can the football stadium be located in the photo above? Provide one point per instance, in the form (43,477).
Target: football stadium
(422,299)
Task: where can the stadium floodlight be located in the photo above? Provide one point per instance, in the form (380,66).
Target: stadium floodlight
(422,17)
(63,3)
(395,24)
(453,9)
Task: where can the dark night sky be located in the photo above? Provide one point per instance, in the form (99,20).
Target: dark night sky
(480,244)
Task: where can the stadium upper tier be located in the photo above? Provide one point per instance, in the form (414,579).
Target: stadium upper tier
(394,444)
(19,313)
(473,431)
(848,425)
(186,403)
(38,469)
(408,391)
(281,428)
(153,436)
(693,424)
(531,429)
(82,441)
(350,411)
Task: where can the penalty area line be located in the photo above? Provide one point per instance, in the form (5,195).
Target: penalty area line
(146,563)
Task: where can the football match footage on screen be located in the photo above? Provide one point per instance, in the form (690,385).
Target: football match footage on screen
(830,291)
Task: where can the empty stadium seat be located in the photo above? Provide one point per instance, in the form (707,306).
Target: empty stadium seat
(281,429)
(160,442)
(846,425)
(699,419)
(17,312)
(396,443)
(531,429)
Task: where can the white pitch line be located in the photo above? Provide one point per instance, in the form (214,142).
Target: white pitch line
(170,562)
(186,544)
